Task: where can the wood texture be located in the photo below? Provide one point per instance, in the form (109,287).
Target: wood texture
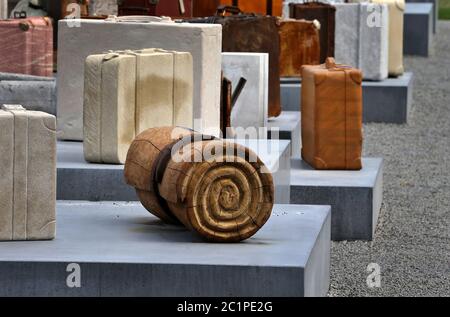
(183,177)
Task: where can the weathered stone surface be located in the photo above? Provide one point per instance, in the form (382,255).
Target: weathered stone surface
(37,95)
(203,41)
(362,38)
(28,169)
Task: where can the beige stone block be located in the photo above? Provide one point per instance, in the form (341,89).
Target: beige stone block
(28,169)
(127,92)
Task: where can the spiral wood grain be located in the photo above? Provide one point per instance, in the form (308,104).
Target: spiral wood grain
(220,190)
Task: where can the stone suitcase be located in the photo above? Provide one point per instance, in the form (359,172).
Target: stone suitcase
(203,8)
(3,9)
(251,33)
(251,109)
(126,93)
(172,8)
(300,45)
(362,38)
(396,17)
(26,46)
(28,174)
(202,41)
(103,7)
(325,14)
(332,116)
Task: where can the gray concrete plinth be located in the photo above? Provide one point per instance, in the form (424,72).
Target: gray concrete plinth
(289,128)
(435,10)
(418,34)
(119,249)
(355,197)
(80,180)
(386,101)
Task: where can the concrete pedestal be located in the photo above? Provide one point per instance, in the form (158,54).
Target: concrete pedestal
(418,34)
(387,101)
(355,196)
(122,250)
(435,10)
(288,127)
(80,180)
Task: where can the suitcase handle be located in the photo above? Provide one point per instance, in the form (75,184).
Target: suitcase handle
(330,63)
(223,10)
(139,19)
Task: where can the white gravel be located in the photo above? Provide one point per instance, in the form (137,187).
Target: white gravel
(412,242)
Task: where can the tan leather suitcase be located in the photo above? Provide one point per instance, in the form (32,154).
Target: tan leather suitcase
(332,116)
(299,45)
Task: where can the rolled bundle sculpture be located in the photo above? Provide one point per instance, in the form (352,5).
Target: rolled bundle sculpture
(219,189)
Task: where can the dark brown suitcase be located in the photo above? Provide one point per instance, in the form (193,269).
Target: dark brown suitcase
(203,8)
(325,14)
(225,106)
(172,8)
(332,116)
(300,45)
(252,34)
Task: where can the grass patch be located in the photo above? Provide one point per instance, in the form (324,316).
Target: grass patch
(444,9)
(444,14)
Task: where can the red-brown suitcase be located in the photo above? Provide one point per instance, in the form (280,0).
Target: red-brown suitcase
(172,8)
(26,46)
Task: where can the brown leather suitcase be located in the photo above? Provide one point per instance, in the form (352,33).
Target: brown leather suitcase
(299,45)
(332,116)
(172,8)
(203,8)
(252,34)
(325,14)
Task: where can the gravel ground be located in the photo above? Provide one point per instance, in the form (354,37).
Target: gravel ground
(412,240)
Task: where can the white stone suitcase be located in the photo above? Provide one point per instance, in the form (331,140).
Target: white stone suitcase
(103,7)
(396,18)
(126,93)
(28,174)
(3,9)
(81,38)
(362,38)
(251,108)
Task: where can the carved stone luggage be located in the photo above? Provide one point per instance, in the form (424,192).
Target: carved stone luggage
(252,34)
(26,46)
(28,174)
(251,108)
(172,8)
(325,14)
(362,38)
(25,9)
(203,41)
(126,93)
(203,8)
(226,197)
(299,45)
(3,9)
(103,7)
(332,116)
(396,17)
